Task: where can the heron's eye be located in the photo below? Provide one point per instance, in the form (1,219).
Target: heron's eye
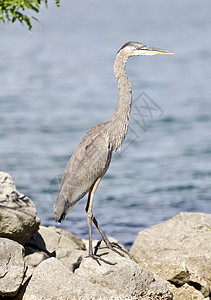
(137,47)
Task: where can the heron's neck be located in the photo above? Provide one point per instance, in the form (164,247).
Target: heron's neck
(117,125)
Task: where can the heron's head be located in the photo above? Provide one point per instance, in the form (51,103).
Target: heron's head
(138,49)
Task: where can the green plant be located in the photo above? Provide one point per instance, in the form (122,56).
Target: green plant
(13,10)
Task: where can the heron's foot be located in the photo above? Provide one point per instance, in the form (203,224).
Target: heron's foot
(98,258)
(116,248)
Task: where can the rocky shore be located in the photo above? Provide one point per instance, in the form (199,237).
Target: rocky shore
(171,260)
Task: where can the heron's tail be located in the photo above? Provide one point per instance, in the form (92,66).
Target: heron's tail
(59,211)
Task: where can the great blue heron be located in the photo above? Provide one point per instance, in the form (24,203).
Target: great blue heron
(91,159)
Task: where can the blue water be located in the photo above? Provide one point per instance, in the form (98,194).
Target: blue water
(57,81)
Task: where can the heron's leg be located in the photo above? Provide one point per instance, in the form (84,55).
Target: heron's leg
(89,213)
(110,245)
(89,220)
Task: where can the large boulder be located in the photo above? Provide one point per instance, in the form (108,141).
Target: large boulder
(18,220)
(178,250)
(124,280)
(12,267)
(52,280)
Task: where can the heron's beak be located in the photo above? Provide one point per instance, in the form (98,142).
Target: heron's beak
(152,51)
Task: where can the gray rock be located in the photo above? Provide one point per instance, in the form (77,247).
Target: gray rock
(12,267)
(125,280)
(60,244)
(187,292)
(33,260)
(79,242)
(52,280)
(178,250)
(17,212)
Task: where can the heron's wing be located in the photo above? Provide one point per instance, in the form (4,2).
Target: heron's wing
(88,163)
